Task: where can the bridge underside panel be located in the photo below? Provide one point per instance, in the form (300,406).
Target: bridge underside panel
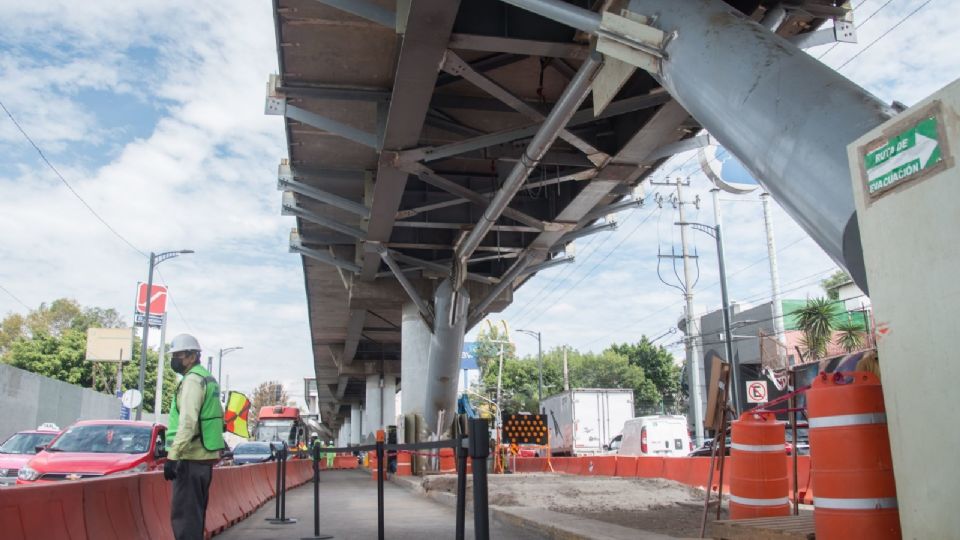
(403,134)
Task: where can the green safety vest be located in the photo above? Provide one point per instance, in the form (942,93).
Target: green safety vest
(211,412)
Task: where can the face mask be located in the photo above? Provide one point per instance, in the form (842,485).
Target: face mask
(176,364)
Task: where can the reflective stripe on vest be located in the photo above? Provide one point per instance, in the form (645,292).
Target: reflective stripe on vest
(758,447)
(855,504)
(759,502)
(848,420)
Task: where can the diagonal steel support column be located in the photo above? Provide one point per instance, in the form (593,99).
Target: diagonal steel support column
(557,261)
(408,287)
(455,65)
(568,103)
(325,258)
(580,233)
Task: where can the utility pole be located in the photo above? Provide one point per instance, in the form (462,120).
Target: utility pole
(776,301)
(692,332)
(566,375)
(725,298)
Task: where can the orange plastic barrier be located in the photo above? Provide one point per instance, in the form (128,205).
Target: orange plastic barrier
(347,462)
(599,466)
(155,495)
(758,467)
(850,450)
(626,466)
(650,467)
(51,512)
(111,508)
(448,463)
(534,464)
(219,504)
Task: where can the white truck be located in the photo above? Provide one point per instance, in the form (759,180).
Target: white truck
(581,421)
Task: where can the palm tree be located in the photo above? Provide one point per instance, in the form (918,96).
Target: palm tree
(815,320)
(851,336)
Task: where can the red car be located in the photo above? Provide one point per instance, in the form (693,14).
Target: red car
(93,448)
(16,451)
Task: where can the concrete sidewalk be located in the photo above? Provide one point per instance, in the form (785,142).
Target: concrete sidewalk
(348,510)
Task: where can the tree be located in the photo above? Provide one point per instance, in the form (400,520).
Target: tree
(815,321)
(831,284)
(266,394)
(657,365)
(52,341)
(850,336)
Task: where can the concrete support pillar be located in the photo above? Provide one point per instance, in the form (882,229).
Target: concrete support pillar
(355,424)
(347,429)
(380,410)
(414,348)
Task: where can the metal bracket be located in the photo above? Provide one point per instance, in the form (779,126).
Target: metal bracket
(276,104)
(628,37)
(842,32)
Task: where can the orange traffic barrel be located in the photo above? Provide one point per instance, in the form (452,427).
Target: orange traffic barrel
(758,467)
(448,464)
(855,495)
(403,464)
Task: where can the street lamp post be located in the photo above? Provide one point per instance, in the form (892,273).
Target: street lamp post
(714,231)
(223,352)
(537,335)
(155,259)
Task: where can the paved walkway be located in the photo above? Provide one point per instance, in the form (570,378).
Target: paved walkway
(348,511)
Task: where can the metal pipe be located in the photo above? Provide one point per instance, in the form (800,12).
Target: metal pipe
(728,342)
(785,115)
(560,11)
(613,209)
(569,102)
(532,269)
(580,233)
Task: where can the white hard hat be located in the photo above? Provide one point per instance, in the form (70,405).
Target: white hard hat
(184,342)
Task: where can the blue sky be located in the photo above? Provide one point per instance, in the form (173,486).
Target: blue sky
(153,112)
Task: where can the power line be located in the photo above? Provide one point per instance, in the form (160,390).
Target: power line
(175,305)
(99,218)
(19,301)
(43,157)
(883,35)
(857,27)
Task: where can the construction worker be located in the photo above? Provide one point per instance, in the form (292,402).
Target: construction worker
(330,456)
(194,438)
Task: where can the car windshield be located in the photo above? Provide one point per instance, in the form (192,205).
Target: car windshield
(104,439)
(26,443)
(252,448)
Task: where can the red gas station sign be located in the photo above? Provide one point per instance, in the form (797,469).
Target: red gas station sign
(158,299)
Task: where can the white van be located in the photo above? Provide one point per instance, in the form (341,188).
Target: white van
(660,435)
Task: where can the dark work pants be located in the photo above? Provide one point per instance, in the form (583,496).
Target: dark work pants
(188,507)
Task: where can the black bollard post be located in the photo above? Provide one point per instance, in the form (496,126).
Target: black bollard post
(315,453)
(461,486)
(479,443)
(282,494)
(380,469)
(276,457)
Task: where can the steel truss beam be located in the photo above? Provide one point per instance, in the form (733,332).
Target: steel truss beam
(290,207)
(573,95)
(550,263)
(455,65)
(427,175)
(586,116)
(285,182)
(548,49)
(427,28)
(476,311)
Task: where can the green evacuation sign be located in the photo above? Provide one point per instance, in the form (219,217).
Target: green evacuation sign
(903,156)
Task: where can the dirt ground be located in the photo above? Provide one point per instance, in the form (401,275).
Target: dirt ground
(648,504)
